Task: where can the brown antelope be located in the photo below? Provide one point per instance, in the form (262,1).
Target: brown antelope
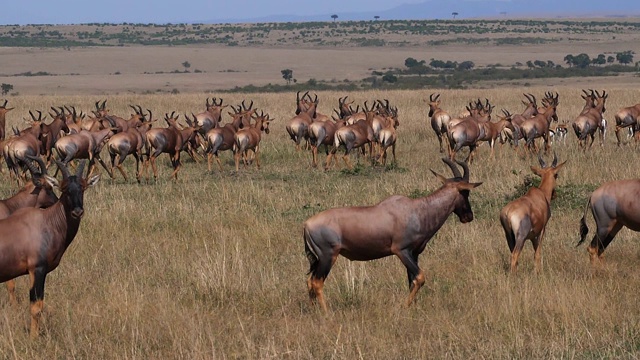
(190,137)
(590,120)
(211,117)
(248,138)
(38,193)
(164,140)
(526,218)
(467,131)
(387,137)
(27,143)
(396,226)
(353,136)
(490,131)
(538,126)
(3,119)
(627,117)
(130,142)
(298,126)
(222,138)
(84,145)
(531,110)
(614,205)
(33,241)
(322,133)
(53,131)
(439,119)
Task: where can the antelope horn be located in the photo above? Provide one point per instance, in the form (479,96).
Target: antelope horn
(41,164)
(150,115)
(220,104)
(64,169)
(454,168)
(55,111)
(104,104)
(80,169)
(207,103)
(5,103)
(32,169)
(98,105)
(555,160)
(431,98)
(465,167)
(541,161)
(437,97)
(134,109)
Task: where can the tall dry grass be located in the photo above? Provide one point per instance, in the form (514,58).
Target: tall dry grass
(213,266)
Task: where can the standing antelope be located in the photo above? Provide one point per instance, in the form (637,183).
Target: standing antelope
(164,140)
(33,241)
(396,226)
(298,126)
(590,120)
(387,137)
(353,136)
(130,142)
(614,205)
(321,133)
(211,117)
(439,119)
(84,145)
(538,126)
(249,139)
(222,138)
(526,217)
(627,117)
(3,119)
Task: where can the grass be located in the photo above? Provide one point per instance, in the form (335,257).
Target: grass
(213,266)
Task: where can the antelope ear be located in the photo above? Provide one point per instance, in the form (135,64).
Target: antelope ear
(52,181)
(440,177)
(536,170)
(94,180)
(557,167)
(467,186)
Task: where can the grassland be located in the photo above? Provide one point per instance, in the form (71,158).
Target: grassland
(213,266)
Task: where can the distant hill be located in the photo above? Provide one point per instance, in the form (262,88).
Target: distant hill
(466,9)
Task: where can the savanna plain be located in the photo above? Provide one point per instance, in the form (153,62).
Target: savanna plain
(213,265)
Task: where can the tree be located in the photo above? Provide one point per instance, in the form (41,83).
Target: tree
(610,59)
(186,65)
(466,65)
(581,60)
(287,74)
(376,17)
(540,63)
(625,57)
(411,62)
(454,15)
(390,78)
(569,60)
(6,88)
(600,60)
(334,17)
(530,64)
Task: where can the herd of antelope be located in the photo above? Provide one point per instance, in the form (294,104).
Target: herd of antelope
(37,226)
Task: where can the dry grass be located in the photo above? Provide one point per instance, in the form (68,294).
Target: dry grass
(213,266)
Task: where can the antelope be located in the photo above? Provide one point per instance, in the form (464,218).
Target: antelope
(322,133)
(538,126)
(613,205)
(526,218)
(559,133)
(467,131)
(130,142)
(387,137)
(84,145)
(190,137)
(38,193)
(490,131)
(222,138)
(33,241)
(353,136)
(396,226)
(590,120)
(28,142)
(439,119)
(52,132)
(3,119)
(531,110)
(164,140)
(298,126)
(211,117)
(627,118)
(249,139)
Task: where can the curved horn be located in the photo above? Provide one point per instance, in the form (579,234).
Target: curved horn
(465,168)
(541,161)
(555,160)
(454,168)
(63,169)
(32,169)
(80,169)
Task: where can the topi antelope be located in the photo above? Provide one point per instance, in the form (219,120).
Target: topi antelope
(248,138)
(164,140)
(538,126)
(321,133)
(526,218)
(211,117)
(222,138)
(439,119)
(591,120)
(614,205)
(627,117)
(3,119)
(33,241)
(396,226)
(130,142)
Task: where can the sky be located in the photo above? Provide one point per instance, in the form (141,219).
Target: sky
(163,11)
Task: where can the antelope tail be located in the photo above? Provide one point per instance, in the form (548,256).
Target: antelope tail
(584,230)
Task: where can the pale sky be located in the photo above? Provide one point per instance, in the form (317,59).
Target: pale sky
(163,11)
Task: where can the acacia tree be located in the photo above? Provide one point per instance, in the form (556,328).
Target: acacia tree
(334,17)
(287,74)
(625,57)
(454,14)
(6,88)
(376,17)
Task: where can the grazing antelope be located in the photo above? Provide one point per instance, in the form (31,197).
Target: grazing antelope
(439,119)
(627,117)
(33,241)
(396,226)
(526,218)
(614,205)
(590,120)
(3,119)
(222,138)
(164,140)
(248,138)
